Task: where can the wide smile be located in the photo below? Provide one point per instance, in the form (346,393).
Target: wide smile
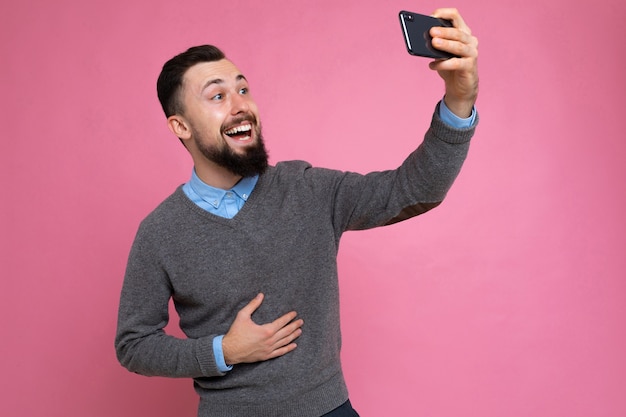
(240,133)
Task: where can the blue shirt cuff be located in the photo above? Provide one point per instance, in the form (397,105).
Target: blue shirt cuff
(453,120)
(219,355)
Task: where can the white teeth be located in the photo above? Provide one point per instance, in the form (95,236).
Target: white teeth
(238,129)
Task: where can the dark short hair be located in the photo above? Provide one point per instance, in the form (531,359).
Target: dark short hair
(170,80)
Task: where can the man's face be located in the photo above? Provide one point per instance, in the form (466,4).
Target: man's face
(223,118)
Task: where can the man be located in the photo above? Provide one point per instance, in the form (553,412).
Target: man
(248,251)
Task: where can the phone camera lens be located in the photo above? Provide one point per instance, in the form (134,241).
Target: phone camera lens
(409,17)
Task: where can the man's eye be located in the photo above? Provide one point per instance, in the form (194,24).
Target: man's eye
(244,90)
(217,97)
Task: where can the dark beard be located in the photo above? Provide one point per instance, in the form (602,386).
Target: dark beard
(253,162)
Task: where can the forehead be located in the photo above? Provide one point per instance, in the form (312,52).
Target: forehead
(203,74)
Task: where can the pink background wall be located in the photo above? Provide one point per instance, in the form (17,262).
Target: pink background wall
(509,300)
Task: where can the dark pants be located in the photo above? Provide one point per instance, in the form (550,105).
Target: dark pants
(344,410)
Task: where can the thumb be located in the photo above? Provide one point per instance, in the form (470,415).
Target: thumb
(251,307)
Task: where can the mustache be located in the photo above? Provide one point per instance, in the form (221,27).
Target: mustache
(237,120)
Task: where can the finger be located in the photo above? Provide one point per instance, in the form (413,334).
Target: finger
(459,49)
(289,329)
(282,321)
(290,337)
(282,351)
(453,15)
(251,307)
(451,34)
(454,64)
(454,41)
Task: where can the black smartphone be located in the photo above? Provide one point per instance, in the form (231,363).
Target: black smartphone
(418,41)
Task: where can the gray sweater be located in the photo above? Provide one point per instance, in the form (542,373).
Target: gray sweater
(282,243)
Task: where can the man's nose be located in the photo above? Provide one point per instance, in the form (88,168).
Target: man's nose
(239,104)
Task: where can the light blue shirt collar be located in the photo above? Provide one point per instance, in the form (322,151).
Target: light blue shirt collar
(214,196)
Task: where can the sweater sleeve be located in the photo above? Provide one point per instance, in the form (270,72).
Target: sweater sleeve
(141,344)
(418,185)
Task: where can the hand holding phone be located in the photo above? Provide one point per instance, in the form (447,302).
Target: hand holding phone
(416,29)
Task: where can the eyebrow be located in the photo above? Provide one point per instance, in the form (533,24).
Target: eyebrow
(221,81)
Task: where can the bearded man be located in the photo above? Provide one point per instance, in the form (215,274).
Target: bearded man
(242,238)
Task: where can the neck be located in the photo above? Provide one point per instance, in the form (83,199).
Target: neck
(217,176)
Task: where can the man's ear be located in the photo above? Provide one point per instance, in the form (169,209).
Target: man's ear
(178,126)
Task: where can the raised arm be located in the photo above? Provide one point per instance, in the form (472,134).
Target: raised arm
(459,74)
